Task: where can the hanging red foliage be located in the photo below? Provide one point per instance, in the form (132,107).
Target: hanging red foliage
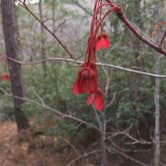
(86,81)
(96,98)
(102,41)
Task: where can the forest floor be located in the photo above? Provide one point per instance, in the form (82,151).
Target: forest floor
(31,148)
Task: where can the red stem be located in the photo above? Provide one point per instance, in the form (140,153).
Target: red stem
(102,19)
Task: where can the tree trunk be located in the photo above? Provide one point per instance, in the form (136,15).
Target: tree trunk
(157,113)
(53,15)
(42,44)
(157,97)
(134,80)
(104,159)
(11,38)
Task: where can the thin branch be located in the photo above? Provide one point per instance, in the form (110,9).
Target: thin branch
(24,2)
(97,117)
(82,7)
(71,145)
(59,26)
(112,100)
(140,35)
(38,96)
(51,110)
(99,64)
(130,26)
(162,39)
(47,29)
(126,134)
(129,150)
(82,156)
(126,156)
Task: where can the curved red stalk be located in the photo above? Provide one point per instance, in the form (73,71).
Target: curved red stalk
(106,14)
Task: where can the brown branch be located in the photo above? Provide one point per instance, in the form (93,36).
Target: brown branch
(126,156)
(82,156)
(59,26)
(138,33)
(82,7)
(130,26)
(99,64)
(162,39)
(24,2)
(140,36)
(47,29)
(51,110)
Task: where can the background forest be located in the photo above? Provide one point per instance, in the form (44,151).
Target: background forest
(63,130)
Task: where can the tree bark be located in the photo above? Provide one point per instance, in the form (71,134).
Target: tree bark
(42,44)
(53,14)
(157,113)
(104,159)
(11,38)
(157,97)
(134,80)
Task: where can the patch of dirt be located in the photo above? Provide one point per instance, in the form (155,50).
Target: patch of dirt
(8,132)
(31,148)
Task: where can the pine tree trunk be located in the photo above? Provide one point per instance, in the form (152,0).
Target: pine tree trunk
(42,44)
(157,97)
(11,38)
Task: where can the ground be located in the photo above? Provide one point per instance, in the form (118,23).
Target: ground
(31,148)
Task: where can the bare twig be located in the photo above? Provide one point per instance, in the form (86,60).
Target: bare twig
(24,2)
(97,117)
(130,26)
(59,26)
(71,145)
(99,64)
(112,100)
(162,39)
(47,29)
(82,7)
(140,35)
(83,156)
(51,110)
(39,97)
(134,140)
(126,156)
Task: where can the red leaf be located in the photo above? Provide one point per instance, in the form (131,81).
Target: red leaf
(99,102)
(105,41)
(90,98)
(5,77)
(87,79)
(102,41)
(96,99)
(75,88)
